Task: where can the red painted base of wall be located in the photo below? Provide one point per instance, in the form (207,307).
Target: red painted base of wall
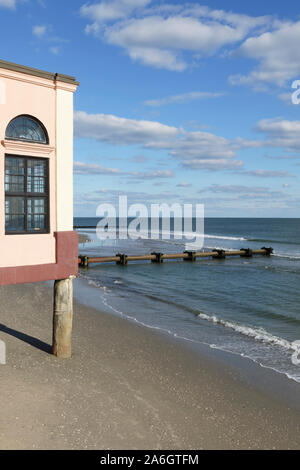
(66,264)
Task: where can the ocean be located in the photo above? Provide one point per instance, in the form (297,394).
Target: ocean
(249,307)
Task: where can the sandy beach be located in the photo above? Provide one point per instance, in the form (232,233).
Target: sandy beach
(126,387)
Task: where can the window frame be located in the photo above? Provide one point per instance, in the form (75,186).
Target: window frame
(29,141)
(26,195)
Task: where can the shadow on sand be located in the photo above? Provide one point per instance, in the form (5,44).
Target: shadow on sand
(36,343)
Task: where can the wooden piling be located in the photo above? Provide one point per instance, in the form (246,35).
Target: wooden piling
(191,256)
(63,318)
(122,259)
(219,254)
(158,258)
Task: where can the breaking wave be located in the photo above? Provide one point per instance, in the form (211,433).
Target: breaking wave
(259,334)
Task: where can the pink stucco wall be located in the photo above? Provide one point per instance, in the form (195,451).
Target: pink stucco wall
(23,94)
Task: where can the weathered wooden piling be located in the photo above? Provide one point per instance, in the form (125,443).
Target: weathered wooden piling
(122,259)
(63,318)
(191,256)
(220,254)
(247,253)
(158,258)
(84,261)
(268,251)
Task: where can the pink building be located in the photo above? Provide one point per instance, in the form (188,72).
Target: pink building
(37,240)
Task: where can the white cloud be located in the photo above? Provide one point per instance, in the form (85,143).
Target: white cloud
(159,35)
(269,173)
(39,30)
(140,175)
(112,196)
(111,9)
(121,131)
(278,54)
(281,157)
(183,98)
(233,188)
(212,165)
(281,133)
(11,4)
(184,184)
(44,33)
(278,127)
(194,150)
(81,168)
(244,192)
(244,143)
(180,32)
(157,58)
(199,149)
(201,145)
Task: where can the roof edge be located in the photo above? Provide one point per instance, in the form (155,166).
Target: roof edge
(37,73)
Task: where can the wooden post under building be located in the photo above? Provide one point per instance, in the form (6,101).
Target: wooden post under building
(63,318)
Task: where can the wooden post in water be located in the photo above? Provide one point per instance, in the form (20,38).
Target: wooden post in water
(63,318)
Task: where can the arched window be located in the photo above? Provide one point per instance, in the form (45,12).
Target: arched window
(27,129)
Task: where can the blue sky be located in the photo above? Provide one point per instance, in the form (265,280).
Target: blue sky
(185,102)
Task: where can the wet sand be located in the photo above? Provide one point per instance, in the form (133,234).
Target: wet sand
(127,387)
